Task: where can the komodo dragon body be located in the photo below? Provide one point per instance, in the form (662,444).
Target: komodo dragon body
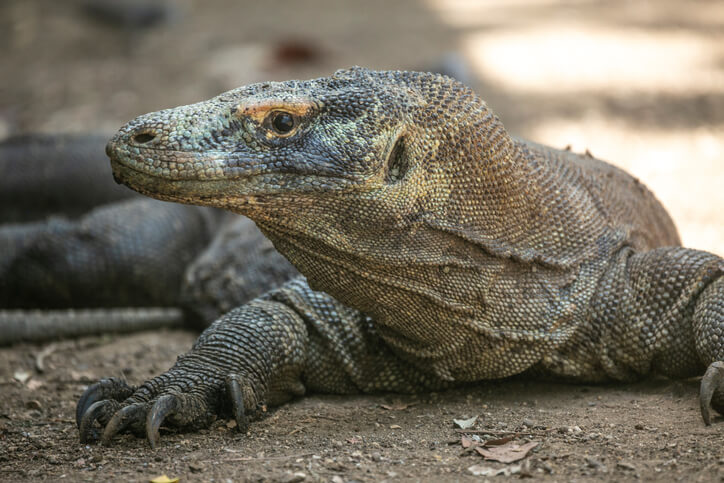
(436,248)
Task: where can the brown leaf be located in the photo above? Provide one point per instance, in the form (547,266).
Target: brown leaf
(467,442)
(508,452)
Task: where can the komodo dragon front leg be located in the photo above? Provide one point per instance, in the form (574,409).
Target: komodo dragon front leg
(281,345)
(437,250)
(660,311)
(675,299)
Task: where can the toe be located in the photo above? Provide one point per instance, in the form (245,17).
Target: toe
(233,389)
(99,411)
(163,407)
(712,386)
(132,416)
(111,388)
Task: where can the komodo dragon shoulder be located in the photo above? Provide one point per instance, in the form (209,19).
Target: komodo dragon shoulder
(435,249)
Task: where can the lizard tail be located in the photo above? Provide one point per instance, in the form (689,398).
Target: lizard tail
(41,325)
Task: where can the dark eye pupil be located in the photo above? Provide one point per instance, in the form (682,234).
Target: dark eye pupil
(282,123)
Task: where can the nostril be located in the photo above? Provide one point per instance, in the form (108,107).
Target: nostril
(143,138)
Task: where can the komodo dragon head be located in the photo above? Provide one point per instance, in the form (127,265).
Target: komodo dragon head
(400,179)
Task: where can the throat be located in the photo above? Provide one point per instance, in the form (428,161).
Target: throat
(394,279)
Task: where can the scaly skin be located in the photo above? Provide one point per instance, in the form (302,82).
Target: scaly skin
(436,250)
(63,173)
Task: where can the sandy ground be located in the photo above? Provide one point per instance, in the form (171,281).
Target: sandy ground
(638,83)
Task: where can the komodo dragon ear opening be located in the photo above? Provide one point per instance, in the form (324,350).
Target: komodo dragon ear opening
(397,162)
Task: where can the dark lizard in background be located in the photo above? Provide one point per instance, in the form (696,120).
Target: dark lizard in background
(80,254)
(437,249)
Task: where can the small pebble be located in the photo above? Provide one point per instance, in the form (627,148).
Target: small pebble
(33,404)
(294,477)
(594,463)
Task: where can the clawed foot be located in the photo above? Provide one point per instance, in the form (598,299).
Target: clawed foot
(99,402)
(186,399)
(711,394)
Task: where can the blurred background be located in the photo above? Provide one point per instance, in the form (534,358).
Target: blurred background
(640,84)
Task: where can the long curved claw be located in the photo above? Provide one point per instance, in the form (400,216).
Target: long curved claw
(111,388)
(712,381)
(163,407)
(233,388)
(99,410)
(184,397)
(134,414)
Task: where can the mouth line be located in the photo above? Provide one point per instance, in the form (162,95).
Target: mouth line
(219,192)
(121,158)
(136,162)
(207,192)
(119,162)
(153,146)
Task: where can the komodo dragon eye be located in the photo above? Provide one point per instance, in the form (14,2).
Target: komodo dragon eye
(282,122)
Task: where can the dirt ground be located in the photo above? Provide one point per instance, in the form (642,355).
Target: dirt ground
(638,83)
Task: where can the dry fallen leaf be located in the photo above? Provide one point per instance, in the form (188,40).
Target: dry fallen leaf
(465,423)
(21,375)
(395,426)
(498,442)
(397,406)
(508,452)
(164,479)
(467,442)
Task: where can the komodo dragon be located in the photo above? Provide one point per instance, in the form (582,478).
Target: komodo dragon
(437,249)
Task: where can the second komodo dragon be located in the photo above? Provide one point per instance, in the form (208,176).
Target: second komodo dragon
(436,249)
